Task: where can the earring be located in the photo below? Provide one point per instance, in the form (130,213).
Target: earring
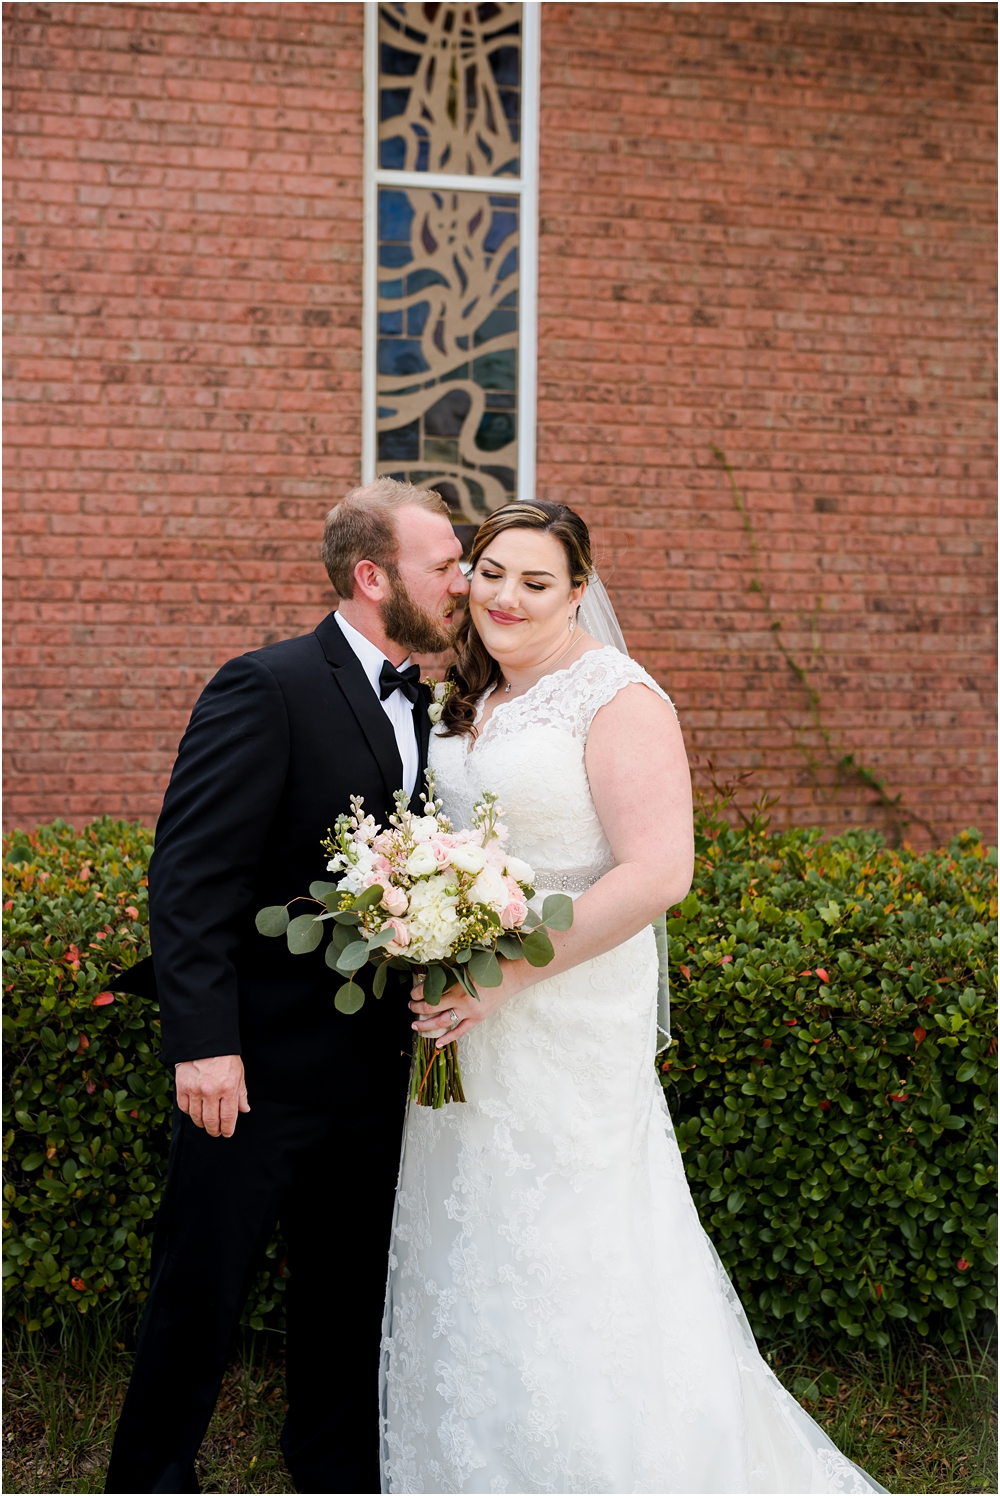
(572,622)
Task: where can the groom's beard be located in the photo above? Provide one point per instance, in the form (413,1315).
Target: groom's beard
(413,627)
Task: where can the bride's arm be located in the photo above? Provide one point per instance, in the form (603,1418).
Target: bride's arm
(641,786)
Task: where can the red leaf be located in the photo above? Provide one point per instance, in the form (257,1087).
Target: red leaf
(789,1022)
(806,973)
(725,960)
(878,1289)
(78,1284)
(823,974)
(824,1106)
(961,1264)
(686,971)
(90,1088)
(919,1034)
(133,1114)
(767,1044)
(898,1096)
(132,911)
(103,998)
(84,1042)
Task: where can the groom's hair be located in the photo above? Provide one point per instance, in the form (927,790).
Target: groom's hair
(362,527)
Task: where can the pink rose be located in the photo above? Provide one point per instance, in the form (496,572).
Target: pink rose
(395,900)
(441,846)
(513,914)
(402,936)
(495,855)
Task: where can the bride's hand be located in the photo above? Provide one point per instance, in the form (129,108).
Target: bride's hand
(439,1022)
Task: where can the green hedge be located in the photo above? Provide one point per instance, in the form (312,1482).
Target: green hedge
(833,1084)
(87,1104)
(832,1080)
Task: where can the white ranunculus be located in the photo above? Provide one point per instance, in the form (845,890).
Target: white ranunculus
(421,862)
(515,867)
(468,858)
(424,827)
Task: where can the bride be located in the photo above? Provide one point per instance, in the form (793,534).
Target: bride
(556,1318)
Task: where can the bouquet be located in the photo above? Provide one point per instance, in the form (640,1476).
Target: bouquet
(421,898)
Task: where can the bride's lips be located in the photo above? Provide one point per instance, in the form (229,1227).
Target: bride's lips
(499,617)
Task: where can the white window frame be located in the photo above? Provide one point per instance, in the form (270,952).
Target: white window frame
(524,186)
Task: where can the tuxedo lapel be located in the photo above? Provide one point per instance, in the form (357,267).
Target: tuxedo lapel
(365,705)
(422,724)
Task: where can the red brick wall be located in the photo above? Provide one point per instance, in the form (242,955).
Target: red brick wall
(184,245)
(767,227)
(771,228)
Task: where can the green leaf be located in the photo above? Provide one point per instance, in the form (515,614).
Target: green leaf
(379,979)
(273,920)
(375,942)
(484,969)
(347,917)
(691,906)
(353,956)
(331,955)
(341,936)
(370,896)
(557,911)
(537,948)
(461,956)
(435,983)
(319,889)
(20,856)
(349,998)
(304,934)
(466,981)
(33,1161)
(509,946)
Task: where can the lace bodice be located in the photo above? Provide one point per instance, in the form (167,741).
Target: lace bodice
(531,752)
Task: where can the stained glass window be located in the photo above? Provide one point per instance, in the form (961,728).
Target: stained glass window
(446,355)
(450,89)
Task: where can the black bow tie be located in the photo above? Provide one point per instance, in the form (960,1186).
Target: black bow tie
(407,681)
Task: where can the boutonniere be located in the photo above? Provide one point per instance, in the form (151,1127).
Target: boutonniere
(440,691)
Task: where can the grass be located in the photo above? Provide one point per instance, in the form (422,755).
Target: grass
(917,1418)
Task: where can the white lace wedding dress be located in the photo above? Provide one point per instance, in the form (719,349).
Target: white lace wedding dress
(556,1318)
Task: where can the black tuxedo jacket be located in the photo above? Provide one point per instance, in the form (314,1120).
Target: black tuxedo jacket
(277,743)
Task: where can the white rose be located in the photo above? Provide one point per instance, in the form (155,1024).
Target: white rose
(514,867)
(468,859)
(489,888)
(421,862)
(434,711)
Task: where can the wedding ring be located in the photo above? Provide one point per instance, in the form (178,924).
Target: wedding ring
(455,1018)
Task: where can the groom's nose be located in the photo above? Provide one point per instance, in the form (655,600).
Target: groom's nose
(459,583)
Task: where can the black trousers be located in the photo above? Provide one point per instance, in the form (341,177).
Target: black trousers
(329,1176)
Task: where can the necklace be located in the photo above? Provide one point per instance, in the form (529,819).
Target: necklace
(545,672)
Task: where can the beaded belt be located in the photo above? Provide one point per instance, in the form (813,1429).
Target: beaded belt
(568,882)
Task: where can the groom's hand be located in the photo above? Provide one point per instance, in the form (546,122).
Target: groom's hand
(212,1092)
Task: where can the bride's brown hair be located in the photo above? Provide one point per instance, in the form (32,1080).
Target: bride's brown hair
(475,669)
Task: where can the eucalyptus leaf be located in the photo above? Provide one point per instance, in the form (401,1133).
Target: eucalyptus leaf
(304,934)
(484,968)
(273,920)
(435,983)
(331,954)
(353,956)
(379,980)
(349,998)
(461,957)
(557,911)
(510,946)
(347,917)
(370,896)
(382,938)
(537,948)
(343,936)
(332,900)
(319,890)
(466,981)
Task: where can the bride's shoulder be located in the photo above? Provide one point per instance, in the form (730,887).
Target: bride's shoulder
(602,673)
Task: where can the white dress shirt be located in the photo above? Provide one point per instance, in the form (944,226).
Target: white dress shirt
(396,707)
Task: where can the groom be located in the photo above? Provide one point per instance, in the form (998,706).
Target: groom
(286,1109)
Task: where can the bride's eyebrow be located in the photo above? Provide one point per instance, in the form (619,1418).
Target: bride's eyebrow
(501,567)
